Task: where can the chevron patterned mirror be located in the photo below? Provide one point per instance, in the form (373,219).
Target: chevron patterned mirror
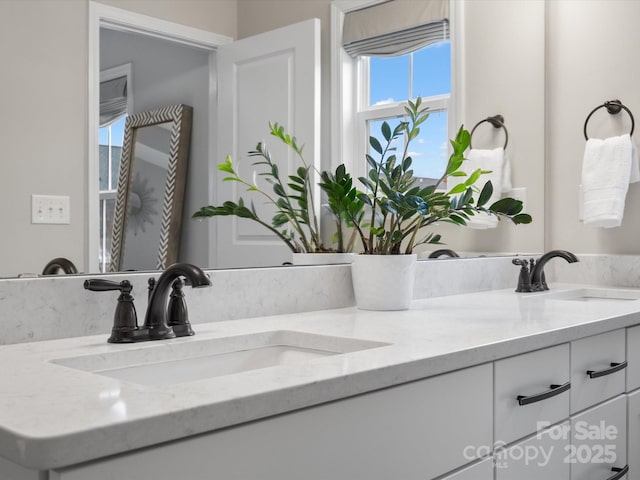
(148,208)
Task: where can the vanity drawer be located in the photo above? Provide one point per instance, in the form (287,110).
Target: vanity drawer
(633,358)
(541,456)
(599,441)
(603,356)
(523,393)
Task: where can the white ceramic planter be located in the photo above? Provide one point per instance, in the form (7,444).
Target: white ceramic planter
(321,258)
(383,282)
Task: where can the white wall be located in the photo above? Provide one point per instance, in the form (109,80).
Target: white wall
(165,73)
(591,58)
(42,128)
(504,43)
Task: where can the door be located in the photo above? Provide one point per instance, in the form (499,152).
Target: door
(272,77)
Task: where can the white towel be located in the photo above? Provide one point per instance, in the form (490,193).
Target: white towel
(497,163)
(608,167)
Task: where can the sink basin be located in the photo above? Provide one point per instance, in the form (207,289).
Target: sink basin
(174,362)
(610,295)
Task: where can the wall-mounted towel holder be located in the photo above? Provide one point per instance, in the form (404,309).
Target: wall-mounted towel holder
(498,122)
(614,107)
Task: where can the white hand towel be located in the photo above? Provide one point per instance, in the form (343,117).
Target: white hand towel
(496,162)
(608,167)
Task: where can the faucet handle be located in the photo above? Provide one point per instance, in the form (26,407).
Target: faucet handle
(125,320)
(100,285)
(524,278)
(151,285)
(178,313)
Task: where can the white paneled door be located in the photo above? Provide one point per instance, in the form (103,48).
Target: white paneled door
(271,77)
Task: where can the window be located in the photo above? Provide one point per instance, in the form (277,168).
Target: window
(389,57)
(110,145)
(385,85)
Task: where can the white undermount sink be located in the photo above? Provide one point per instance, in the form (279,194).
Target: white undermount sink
(609,295)
(174,362)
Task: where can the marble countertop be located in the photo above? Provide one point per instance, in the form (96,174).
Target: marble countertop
(53,416)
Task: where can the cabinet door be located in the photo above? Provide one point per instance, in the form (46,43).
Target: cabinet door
(541,456)
(530,375)
(604,356)
(599,440)
(479,471)
(414,431)
(633,435)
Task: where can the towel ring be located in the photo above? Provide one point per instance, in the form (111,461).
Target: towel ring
(498,122)
(613,107)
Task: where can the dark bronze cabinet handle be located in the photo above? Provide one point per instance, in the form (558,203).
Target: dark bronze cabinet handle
(552,392)
(615,367)
(620,472)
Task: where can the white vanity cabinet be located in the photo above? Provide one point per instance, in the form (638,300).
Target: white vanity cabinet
(417,430)
(534,415)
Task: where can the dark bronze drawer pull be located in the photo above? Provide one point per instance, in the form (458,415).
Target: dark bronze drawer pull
(620,472)
(615,367)
(552,392)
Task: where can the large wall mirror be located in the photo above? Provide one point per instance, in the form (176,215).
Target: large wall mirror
(490,86)
(148,209)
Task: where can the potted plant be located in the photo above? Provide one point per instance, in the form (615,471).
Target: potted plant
(399,210)
(295,220)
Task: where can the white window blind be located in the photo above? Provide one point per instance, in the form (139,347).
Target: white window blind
(395,27)
(113,100)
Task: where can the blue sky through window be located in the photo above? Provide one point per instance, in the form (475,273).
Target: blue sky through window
(390,83)
(117,133)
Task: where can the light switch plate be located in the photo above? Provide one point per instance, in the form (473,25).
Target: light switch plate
(50,209)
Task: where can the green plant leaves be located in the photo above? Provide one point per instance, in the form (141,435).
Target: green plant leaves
(507,206)
(375,144)
(522,218)
(485,194)
(391,210)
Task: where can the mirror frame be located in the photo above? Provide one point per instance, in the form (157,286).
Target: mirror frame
(180,117)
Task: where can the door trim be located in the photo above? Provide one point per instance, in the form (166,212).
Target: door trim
(126,21)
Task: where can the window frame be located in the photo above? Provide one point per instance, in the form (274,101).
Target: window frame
(347,121)
(125,70)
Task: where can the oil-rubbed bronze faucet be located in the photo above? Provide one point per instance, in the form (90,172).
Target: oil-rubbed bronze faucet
(443,251)
(532,278)
(57,264)
(165,318)
(156,322)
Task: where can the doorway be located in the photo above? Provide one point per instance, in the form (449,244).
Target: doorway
(170,65)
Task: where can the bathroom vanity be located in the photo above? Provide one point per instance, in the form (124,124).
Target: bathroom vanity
(490,385)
